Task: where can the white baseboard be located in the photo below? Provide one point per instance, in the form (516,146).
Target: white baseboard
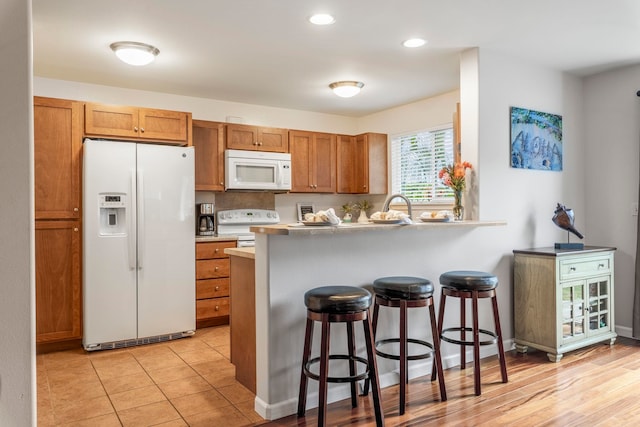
(624,331)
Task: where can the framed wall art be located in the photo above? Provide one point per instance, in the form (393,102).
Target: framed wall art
(536,140)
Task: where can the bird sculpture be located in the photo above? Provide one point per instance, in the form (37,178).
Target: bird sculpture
(563,218)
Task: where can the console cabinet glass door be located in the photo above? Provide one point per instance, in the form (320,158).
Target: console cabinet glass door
(573,310)
(598,289)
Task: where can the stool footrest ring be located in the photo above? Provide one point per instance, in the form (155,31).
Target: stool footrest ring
(493,335)
(411,357)
(347,379)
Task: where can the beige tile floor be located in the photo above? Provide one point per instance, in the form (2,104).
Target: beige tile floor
(187,382)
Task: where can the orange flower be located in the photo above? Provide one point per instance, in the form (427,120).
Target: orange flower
(454,175)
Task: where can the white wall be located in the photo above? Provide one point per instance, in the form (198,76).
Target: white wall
(611,138)
(17,333)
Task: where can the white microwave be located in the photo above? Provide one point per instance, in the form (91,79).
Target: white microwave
(257,170)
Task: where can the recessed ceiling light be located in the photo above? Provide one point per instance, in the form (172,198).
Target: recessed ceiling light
(346,89)
(134,53)
(322,19)
(414,42)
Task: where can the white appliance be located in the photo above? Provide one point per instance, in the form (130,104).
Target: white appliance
(237,223)
(257,170)
(138,245)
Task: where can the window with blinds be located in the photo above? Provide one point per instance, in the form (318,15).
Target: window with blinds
(416,159)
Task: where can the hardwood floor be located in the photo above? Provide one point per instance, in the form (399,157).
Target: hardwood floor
(598,385)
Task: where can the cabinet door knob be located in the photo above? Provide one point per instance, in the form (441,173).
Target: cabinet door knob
(75,209)
(572,269)
(217,288)
(75,229)
(217,250)
(142,130)
(221,183)
(217,308)
(135,128)
(216,269)
(600,265)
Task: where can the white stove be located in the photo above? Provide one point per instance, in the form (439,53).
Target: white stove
(236,222)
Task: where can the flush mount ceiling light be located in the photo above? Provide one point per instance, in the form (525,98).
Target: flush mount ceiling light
(414,42)
(322,19)
(346,89)
(134,53)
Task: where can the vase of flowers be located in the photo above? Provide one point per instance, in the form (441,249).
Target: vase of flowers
(364,206)
(453,176)
(347,208)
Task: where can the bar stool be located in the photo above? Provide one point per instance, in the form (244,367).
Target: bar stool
(474,285)
(407,292)
(333,304)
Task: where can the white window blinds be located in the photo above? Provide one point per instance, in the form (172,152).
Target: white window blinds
(416,159)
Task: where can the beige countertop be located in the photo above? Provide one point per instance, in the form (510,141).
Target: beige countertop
(215,239)
(241,252)
(301,229)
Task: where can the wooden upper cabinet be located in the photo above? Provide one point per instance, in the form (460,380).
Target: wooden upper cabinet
(144,124)
(208,142)
(57,127)
(247,137)
(313,162)
(58,257)
(362,164)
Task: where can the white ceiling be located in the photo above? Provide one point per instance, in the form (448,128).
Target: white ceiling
(265,52)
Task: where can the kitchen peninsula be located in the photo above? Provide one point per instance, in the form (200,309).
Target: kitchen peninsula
(291,259)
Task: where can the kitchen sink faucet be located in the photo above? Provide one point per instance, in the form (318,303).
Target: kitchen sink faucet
(387,202)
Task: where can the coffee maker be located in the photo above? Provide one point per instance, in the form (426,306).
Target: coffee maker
(206,220)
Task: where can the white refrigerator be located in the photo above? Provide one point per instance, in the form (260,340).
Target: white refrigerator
(138,244)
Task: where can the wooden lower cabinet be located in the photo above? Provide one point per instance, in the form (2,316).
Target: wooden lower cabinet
(212,283)
(58,281)
(243,320)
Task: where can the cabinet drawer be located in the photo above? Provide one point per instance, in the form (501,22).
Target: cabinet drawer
(212,307)
(208,250)
(585,267)
(212,288)
(212,268)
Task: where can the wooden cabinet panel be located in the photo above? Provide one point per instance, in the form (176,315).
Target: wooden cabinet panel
(139,124)
(243,320)
(58,281)
(362,164)
(212,268)
(57,126)
(163,124)
(246,137)
(207,250)
(312,162)
(212,308)
(208,142)
(212,288)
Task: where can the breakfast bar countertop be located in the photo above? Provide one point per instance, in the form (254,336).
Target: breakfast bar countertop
(299,229)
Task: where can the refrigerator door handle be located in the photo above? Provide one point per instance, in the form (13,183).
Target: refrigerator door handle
(130,220)
(140,200)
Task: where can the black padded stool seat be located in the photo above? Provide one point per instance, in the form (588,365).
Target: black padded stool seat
(406,292)
(337,299)
(338,304)
(403,287)
(469,280)
(474,285)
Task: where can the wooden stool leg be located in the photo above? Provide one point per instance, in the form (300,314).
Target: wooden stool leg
(352,363)
(496,318)
(476,343)
(463,324)
(376,310)
(404,378)
(324,371)
(443,298)
(437,361)
(302,397)
(373,371)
